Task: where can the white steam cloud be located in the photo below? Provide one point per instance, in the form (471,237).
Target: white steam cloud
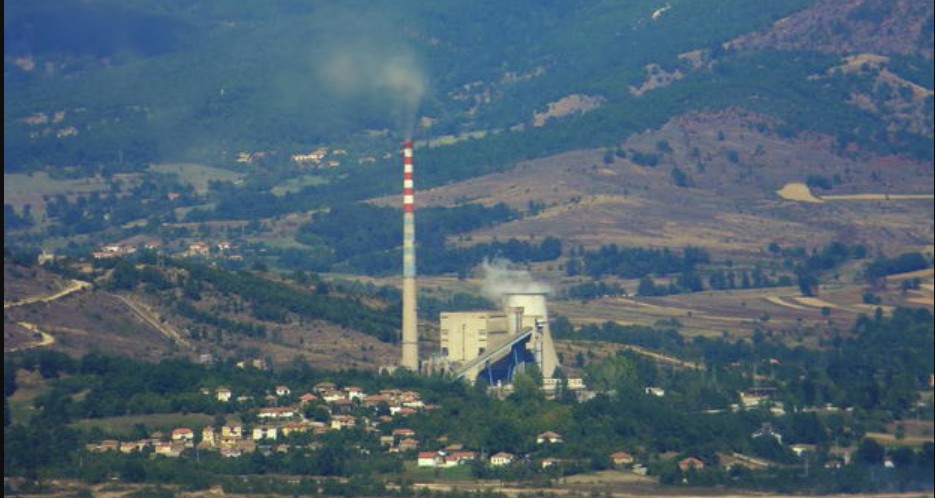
(371,70)
(501,278)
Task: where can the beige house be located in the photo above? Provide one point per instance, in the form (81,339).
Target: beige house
(232,431)
(209,436)
(172,449)
(261,432)
(502,458)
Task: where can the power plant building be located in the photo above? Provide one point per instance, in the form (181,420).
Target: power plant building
(466,335)
(494,345)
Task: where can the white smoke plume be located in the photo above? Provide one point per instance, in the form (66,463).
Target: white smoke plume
(501,278)
(369,69)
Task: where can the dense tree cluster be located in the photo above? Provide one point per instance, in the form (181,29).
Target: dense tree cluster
(878,369)
(636,262)
(903,263)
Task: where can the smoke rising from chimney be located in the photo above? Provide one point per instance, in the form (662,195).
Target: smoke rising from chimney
(381,71)
(501,278)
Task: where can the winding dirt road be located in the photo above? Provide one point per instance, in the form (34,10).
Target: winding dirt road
(73,286)
(45,338)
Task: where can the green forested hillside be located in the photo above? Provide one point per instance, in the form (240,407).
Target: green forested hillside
(160,81)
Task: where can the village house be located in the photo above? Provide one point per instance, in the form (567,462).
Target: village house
(621,458)
(501,459)
(276,412)
(403,433)
(132,446)
(257,363)
(261,432)
(801,449)
(238,448)
(339,422)
(354,392)
(323,387)
(553,384)
(209,436)
(168,449)
(444,460)
(408,444)
(689,463)
(402,411)
(766,430)
(460,458)
(198,248)
(282,391)
(549,437)
(183,434)
(343,406)
(411,402)
(232,431)
(307,398)
(332,396)
(427,459)
(549,462)
(294,427)
(113,251)
(374,400)
(223,394)
(108,445)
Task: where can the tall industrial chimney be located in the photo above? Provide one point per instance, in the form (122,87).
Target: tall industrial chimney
(410,334)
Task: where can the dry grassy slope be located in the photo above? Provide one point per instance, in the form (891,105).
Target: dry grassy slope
(841,26)
(99,320)
(736,163)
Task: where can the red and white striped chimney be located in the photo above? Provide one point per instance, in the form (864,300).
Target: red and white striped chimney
(410,335)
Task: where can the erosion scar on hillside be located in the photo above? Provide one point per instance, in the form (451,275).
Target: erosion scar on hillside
(800,192)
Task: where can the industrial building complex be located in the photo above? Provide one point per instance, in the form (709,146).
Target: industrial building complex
(486,346)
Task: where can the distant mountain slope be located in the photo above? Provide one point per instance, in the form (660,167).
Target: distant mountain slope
(708,179)
(902,27)
(261,86)
(290,77)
